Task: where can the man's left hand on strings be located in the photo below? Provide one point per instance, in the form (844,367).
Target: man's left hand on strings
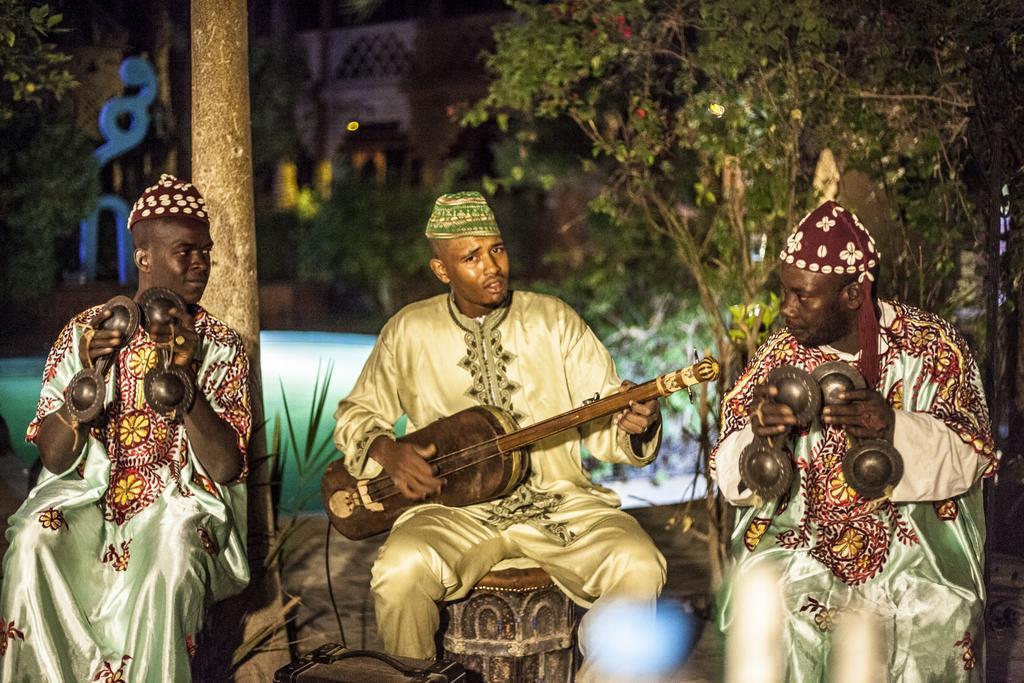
(639,417)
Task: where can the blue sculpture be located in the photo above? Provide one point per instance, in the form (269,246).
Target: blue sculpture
(135,72)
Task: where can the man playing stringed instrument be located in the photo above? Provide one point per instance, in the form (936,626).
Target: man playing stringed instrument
(532,356)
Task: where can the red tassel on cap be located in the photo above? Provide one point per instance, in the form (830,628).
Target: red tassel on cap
(867,333)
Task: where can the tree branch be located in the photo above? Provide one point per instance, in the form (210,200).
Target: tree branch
(868,95)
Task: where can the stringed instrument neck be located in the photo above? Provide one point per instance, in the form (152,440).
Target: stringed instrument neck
(481,454)
(706,370)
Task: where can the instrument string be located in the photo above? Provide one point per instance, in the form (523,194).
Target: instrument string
(394,489)
(382,483)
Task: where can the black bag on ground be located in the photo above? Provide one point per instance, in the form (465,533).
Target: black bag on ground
(333,663)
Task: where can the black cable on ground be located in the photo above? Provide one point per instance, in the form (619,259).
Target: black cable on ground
(330,586)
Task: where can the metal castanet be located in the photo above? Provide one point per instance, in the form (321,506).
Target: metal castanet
(835,377)
(168,390)
(87,389)
(482,453)
(765,468)
(156,304)
(870,466)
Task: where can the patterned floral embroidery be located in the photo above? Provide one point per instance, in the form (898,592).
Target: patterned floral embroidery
(119,561)
(488,370)
(107,674)
(64,342)
(947,510)
(755,530)
(529,506)
(134,429)
(967,643)
(904,532)
(52,518)
(487,361)
(838,490)
(147,451)
(471,364)
(209,545)
(226,384)
(129,487)
(896,395)
(958,403)
(824,617)
(190,646)
(159,431)
(502,358)
(205,483)
(849,545)
(142,361)
(8,634)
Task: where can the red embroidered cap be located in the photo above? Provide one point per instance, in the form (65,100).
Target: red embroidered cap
(169,198)
(832,240)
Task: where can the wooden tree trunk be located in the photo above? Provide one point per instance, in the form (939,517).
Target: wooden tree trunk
(222,168)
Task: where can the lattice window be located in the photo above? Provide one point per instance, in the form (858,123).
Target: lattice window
(379,55)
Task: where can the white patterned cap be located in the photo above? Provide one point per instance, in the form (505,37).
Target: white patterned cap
(832,239)
(170,198)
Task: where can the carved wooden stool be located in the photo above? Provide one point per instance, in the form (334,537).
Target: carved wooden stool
(516,625)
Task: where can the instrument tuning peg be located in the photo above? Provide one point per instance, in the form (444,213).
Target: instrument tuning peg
(689,389)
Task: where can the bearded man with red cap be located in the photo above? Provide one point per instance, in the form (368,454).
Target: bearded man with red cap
(137,524)
(912,558)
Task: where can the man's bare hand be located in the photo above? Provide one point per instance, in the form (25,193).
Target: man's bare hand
(100,342)
(865,415)
(182,332)
(408,468)
(768,417)
(639,417)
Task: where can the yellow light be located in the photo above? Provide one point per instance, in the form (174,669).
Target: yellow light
(352,126)
(716,109)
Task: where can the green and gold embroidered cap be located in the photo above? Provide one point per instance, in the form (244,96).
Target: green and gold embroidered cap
(461,214)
